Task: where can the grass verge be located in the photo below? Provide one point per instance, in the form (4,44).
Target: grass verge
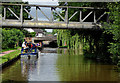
(3,50)
(9,56)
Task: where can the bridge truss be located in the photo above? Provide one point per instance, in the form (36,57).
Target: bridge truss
(51,23)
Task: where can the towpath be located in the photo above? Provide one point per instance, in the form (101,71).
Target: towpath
(6,52)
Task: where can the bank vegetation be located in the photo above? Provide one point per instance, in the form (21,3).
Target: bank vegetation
(98,44)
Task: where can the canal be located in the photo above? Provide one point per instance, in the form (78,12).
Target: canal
(55,64)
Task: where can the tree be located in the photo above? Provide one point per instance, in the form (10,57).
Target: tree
(11,38)
(113,27)
(32,34)
(94,42)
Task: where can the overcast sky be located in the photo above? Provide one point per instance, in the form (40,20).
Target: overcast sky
(45,10)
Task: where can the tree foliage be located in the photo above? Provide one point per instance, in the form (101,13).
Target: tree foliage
(28,34)
(96,42)
(11,38)
(113,27)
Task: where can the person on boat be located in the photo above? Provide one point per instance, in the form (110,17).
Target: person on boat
(24,46)
(40,44)
(31,46)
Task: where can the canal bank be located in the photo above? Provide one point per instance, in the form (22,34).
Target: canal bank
(10,62)
(9,57)
(56,65)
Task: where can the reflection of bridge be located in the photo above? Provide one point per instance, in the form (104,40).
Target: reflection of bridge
(51,23)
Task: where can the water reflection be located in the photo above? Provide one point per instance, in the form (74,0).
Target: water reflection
(28,65)
(59,65)
(73,67)
(13,73)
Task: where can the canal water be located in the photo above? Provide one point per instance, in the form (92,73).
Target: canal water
(56,65)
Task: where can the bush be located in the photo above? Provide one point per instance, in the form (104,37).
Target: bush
(11,38)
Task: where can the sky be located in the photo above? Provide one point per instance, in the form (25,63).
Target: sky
(45,10)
